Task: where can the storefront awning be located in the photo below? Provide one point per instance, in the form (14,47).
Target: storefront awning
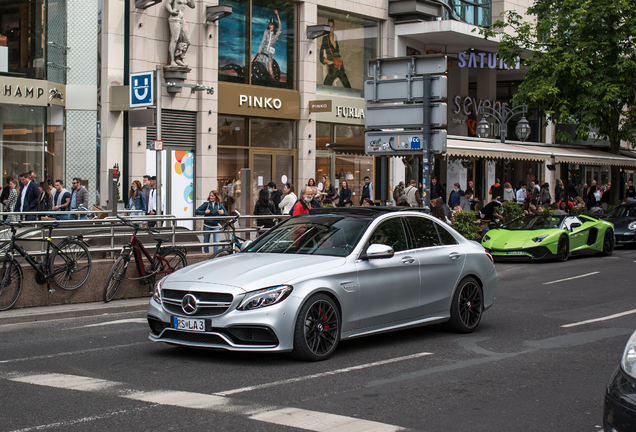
(589,157)
(494,150)
(351,146)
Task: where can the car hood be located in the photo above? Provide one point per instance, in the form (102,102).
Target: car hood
(251,271)
(517,239)
(621,222)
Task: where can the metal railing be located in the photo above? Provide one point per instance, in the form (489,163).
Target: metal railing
(168,225)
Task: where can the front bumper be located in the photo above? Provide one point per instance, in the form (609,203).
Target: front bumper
(626,237)
(530,254)
(266,329)
(619,413)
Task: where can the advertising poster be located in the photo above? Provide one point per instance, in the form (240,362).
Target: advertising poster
(182,191)
(272,38)
(232,43)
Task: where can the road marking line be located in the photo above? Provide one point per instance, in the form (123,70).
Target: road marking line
(321,422)
(605,318)
(131,320)
(293,417)
(570,278)
(69,382)
(322,374)
(70,353)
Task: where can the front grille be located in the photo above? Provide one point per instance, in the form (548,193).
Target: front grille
(210,304)
(202,338)
(156,326)
(252,336)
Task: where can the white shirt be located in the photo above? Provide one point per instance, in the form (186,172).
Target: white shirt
(23,194)
(152,201)
(521,195)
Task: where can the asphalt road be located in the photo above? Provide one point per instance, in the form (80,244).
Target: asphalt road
(522,370)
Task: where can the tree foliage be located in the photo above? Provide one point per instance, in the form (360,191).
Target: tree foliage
(581,59)
(464,223)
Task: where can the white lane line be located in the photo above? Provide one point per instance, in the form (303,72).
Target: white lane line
(322,374)
(570,278)
(123,321)
(605,318)
(89,350)
(292,417)
(68,423)
(321,422)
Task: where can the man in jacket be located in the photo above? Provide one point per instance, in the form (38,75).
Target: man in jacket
(146,187)
(413,196)
(79,197)
(398,192)
(436,189)
(29,196)
(275,195)
(61,201)
(367,190)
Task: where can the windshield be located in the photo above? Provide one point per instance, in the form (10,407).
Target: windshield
(331,235)
(623,211)
(532,222)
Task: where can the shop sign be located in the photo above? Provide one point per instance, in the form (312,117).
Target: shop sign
(349,112)
(346,110)
(483,61)
(320,106)
(258,101)
(20,91)
(469,105)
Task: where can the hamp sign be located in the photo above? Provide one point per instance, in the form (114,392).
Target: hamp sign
(141,89)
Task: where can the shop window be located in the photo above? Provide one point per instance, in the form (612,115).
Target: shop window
(232,131)
(257,43)
(343,53)
(22,24)
(229,163)
(272,134)
(324,135)
(22,140)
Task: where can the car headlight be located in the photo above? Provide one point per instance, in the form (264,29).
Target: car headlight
(539,239)
(628,362)
(265,297)
(156,294)
(486,238)
(632,226)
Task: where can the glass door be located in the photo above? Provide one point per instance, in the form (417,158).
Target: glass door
(276,166)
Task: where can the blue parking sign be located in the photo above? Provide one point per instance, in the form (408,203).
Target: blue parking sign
(141,89)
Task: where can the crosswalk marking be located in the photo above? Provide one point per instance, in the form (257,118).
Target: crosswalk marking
(292,417)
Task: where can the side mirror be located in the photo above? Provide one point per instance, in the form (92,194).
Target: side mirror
(246,244)
(574,225)
(378,251)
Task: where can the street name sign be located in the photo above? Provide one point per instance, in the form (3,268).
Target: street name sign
(404,116)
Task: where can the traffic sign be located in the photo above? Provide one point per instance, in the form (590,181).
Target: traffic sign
(158,145)
(141,89)
(413,65)
(398,143)
(401,90)
(404,116)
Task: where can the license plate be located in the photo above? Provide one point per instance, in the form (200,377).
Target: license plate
(515,253)
(188,324)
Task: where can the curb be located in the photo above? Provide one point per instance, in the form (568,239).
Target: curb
(48,313)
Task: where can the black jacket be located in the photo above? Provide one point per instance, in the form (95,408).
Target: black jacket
(260,209)
(276,198)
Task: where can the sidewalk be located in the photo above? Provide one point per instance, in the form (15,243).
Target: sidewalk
(46,313)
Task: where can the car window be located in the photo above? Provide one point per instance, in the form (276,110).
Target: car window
(424,232)
(391,233)
(446,237)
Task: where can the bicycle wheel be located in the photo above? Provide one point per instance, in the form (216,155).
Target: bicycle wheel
(115,277)
(70,264)
(10,284)
(174,260)
(221,253)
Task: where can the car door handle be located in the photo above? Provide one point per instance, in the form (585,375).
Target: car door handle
(408,260)
(454,255)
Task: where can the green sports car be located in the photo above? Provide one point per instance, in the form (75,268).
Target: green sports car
(549,237)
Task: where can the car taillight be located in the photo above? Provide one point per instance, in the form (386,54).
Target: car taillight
(490,256)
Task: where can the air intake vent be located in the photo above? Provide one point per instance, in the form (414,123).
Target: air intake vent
(178,128)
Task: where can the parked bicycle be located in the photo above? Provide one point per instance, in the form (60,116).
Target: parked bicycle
(236,243)
(164,261)
(67,264)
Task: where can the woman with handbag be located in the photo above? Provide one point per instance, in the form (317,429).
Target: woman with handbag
(264,206)
(212,207)
(45,200)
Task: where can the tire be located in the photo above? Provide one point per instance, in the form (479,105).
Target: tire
(115,277)
(176,260)
(608,242)
(10,283)
(70,264)
(467,306)
(563,249)
(221,253)
(317,329)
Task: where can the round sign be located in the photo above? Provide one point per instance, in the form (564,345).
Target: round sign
(320,186)
(283,179)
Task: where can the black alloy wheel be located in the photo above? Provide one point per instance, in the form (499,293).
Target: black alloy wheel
(563,249)
(317,330)
(608,242)
(467,306)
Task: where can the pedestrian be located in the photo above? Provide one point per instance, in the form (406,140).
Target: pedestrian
(311,182)
(303,205)
(32,176)
(152,201)
(345,193)
(315,203)
(398,191)
(508,192)
(413,196)
(211,208)
(275,196)
(436,190)
(45,199)
(583,192)
(490,212)
(289,199)
(146,186)
(61,201)
(438,212)
(558,190)
(136,199)
(367,190)
(4,195)
(264,206)
(544,195)
(328,191)
(591,198)
(367,203)
(496,190)
(522,194)
(29,196)
(464,201)
(455,196)
(12,199)
(79,198)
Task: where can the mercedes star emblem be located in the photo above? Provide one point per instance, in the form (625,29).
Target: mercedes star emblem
(189,304)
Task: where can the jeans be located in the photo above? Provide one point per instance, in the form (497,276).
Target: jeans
(215,237)
(29,217)
(62,216)
(81,217)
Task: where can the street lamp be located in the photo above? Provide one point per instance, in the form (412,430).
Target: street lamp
(503,116)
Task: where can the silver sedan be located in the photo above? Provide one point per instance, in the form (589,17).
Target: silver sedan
(328,275)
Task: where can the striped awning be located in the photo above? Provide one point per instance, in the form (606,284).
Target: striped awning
(494,150)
